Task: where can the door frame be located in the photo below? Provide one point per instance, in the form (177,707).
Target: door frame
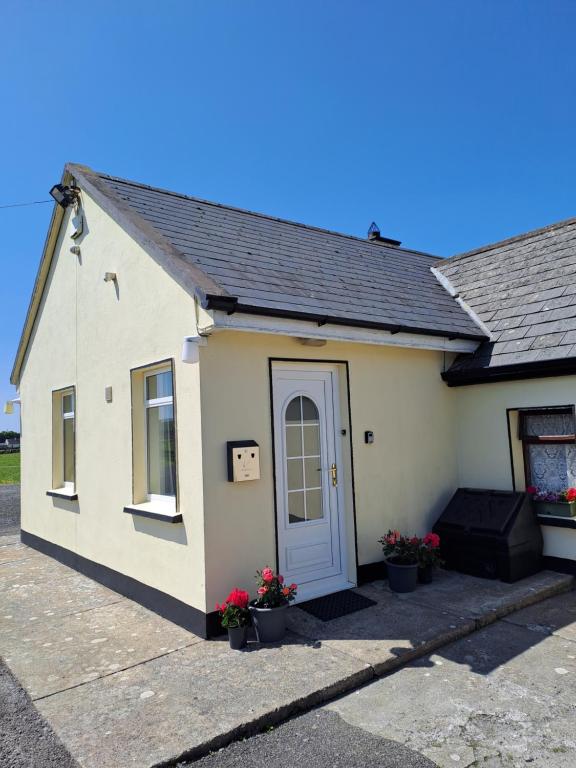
(345,407)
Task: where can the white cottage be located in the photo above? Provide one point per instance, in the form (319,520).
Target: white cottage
(223,390)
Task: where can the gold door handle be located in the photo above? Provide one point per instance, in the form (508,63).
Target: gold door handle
(334,473)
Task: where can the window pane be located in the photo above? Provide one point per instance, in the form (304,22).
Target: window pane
(161,450)
(295,474)
(311,440)
(293,412)
(296,507)
(68,450)
(313,472)
(309,410)
(68,403)
(159,385)
(313,505)
(294,441)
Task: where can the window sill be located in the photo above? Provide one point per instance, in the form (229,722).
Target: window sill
(155,511)
(557,522)
(63,493)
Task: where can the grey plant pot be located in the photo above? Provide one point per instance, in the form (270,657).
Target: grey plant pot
(402,578)
(237,637)
(269,623)
(556,508)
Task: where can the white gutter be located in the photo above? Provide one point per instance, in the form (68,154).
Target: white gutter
(217,320)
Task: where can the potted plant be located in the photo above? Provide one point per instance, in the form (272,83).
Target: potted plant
(428,557)
(401,557)
(268,610)
(554,503)
(234,617)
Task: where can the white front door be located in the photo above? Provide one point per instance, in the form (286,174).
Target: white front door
(309,497)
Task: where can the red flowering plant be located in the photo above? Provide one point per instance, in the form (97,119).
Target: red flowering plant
(399,549)
(272,592)
(234,610)
(429,551)
(567,495)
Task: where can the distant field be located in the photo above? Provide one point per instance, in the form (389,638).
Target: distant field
(9,468)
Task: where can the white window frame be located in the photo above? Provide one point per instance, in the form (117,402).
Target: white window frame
(156,403)
(67,415)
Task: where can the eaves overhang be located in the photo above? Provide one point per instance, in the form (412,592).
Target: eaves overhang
(231,305)
(538,369)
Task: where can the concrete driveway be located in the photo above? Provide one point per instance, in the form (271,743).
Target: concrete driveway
(121,686)
(504,697)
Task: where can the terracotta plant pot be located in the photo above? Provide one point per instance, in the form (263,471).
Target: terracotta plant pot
(402,578)
(269,623)
(237,637)
(425,574)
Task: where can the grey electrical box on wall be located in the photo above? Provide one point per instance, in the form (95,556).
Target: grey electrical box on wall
(243,460)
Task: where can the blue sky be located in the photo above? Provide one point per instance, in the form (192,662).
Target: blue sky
(449,123)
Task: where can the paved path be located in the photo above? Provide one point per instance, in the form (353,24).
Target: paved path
(122,687)
(504,697)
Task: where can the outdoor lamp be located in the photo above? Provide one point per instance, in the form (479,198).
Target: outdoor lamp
(9,405)
(63,195)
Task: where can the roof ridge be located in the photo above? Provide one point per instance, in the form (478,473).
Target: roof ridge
(509,240)
(267,216)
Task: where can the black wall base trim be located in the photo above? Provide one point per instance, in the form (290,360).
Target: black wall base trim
(371,572)
(164,605)
(560,564)
(557,522)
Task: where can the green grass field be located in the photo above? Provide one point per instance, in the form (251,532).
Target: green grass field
(9,468)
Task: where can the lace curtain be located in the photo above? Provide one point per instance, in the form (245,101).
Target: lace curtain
(536,425)
(552,465)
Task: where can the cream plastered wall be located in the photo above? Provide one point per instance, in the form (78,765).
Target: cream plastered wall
(90,334)
(483,447)
(403,480)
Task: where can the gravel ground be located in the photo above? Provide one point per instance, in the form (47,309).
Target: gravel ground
(26,740)
(320,739)
(9,509)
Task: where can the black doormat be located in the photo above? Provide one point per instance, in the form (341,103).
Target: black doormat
(334,606)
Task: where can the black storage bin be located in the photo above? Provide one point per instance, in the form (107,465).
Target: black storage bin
(494,534)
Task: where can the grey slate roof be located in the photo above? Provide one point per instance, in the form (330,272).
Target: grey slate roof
(524,290)
(277,266)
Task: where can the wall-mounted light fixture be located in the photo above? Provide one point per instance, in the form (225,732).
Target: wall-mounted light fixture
(311,342)
(64,195)
(110,277)
(190,351)
(9,405)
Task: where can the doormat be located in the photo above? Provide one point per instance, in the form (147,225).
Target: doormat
(334,606)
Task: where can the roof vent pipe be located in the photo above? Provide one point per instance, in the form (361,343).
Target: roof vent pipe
(374,235)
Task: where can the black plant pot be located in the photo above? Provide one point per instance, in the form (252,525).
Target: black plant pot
(237,637)
(269,623)
(402,578)
(425,574)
